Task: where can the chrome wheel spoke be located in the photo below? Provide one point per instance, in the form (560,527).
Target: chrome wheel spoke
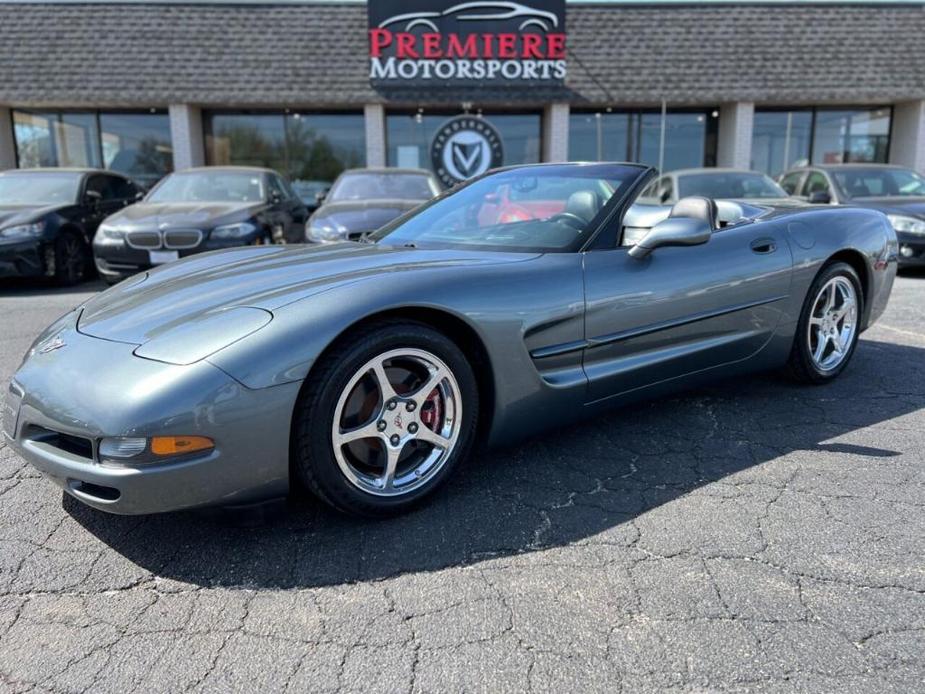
(434,379)
(829,299)
(821,341)
(393,453)
(368,431)
(432,437)
(382,381)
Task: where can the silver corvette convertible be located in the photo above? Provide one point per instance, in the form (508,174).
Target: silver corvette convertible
(368,371)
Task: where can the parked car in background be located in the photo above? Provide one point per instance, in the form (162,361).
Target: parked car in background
(896,191)
(713,183)
(48,218)
(362,200)
(311,192)
(735,191)
(199,210)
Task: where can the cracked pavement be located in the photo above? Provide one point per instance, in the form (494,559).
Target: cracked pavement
(752,536)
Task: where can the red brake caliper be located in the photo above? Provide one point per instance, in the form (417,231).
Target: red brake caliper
(432,411)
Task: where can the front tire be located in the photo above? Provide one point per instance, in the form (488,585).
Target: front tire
(829,325)
(385,418)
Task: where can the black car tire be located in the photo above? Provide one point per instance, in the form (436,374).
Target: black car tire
(312,449)
(801,365)
(71,259)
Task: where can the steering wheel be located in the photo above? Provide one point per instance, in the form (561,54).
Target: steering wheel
(572,220)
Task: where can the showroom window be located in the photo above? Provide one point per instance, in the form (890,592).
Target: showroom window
(782,139)
(688,141)
(409,136)
(133,143)
(302,146)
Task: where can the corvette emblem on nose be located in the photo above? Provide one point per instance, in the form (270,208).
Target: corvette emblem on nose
(55,343)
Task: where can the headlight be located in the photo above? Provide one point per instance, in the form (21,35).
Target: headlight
(22,231)
(325,231)
(233,231)
(110,232)
(909,225)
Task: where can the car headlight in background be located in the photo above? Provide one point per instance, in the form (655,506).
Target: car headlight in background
(23,231)
(908,225)
(233,231)
(325,231)
(110,233)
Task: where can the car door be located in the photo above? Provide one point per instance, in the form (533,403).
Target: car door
(682,309)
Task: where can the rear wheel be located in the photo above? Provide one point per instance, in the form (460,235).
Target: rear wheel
(385,419)
(71,259)
(827,333)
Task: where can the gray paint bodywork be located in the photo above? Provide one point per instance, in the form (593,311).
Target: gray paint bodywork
(565,334)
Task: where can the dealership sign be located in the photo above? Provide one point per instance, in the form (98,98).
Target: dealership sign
(426,42)
(464,147)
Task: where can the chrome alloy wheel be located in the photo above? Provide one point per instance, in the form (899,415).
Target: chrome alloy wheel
(396,422)
(832,323)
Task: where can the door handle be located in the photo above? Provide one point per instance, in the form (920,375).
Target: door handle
(764,245)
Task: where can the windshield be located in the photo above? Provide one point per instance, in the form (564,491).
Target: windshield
(209,186)
(552,208)
(732,184)
(378,186)
(39,188)
(875,183)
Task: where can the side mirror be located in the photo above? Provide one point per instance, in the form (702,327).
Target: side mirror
(275,198)
(820,197)
(320,196)
(93,197)
(139,196)
(674,231)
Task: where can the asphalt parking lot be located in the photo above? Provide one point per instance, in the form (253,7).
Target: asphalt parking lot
(753,536)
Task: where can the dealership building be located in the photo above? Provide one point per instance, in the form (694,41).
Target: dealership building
(310,87)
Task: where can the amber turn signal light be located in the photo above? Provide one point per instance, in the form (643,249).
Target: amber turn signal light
(179,445)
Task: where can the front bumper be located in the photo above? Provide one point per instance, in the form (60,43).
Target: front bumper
(911,250)
(22,259)
(62,403)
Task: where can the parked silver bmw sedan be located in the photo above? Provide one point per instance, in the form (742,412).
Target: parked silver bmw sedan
(368,371)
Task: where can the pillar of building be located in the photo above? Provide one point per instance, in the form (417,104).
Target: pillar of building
(374,115)
(7,142)
(907,138)
(555,132)
(187,136)
(734,148)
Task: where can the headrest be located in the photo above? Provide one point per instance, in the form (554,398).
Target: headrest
(582,204)
(696,207)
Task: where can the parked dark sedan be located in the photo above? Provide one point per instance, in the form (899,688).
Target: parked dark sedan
(897,192)
(199,210)
(362,200)
(48,218)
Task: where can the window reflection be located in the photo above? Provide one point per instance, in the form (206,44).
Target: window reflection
(305,147)
(689,138)
(136,144)
(782,139)
(850,136)
(409,137)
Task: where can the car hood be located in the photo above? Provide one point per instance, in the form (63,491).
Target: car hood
(163,215)
(195,289)
(358,216)
(10,215)
(893,205)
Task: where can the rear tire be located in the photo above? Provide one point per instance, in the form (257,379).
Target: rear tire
(829,325)
(71,259)
(378,450)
